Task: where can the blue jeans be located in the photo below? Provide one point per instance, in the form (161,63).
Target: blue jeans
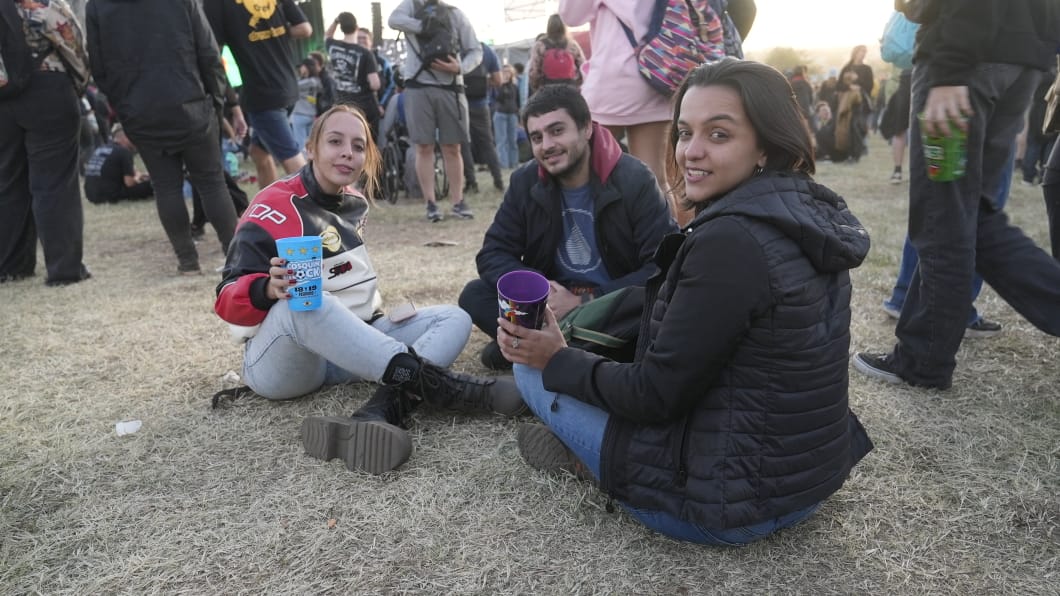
(957,229)
(295,353)
(910,259)
(301,124)
(272,130)
(581,428)
(505,131)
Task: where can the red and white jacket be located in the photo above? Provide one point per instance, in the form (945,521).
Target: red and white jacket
(295,206)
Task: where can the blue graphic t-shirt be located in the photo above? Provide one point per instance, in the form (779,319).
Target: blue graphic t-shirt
(578,258)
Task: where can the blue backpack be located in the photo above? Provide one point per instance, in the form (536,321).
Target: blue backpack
(899,41)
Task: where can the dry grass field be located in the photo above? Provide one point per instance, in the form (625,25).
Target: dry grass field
(959,497)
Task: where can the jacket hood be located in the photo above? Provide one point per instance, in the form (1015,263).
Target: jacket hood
(813,216)
(604,152)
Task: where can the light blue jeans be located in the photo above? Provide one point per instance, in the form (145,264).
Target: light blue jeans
(581,428)
(295,353)
(505,133)
(301,124)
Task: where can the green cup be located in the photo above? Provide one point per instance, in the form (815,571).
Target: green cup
(945,157)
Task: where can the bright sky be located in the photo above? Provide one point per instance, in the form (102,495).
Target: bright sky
(787,23)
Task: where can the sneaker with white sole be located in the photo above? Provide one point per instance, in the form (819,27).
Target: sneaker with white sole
(877,366)
(433,214)
(892,311)
(462,211)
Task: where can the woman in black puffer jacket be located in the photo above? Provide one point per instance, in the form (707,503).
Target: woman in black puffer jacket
(733,421)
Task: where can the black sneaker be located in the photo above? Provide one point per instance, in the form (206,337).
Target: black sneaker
(543,450)
(197,232)
(491,357)
(498,185)
(433,214)
(982,328)
(471,188)
(371,446)
(877,366)
(462,211)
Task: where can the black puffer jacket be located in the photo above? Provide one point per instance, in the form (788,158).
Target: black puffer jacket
(158,64)
(737,412)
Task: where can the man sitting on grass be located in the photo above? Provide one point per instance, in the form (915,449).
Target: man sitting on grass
(111,175)
(582,213)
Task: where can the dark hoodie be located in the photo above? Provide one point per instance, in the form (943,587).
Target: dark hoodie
(956,36)
(158,64)
(630,212)
(737,411)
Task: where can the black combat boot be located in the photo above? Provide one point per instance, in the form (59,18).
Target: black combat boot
(454,391)
(372,440)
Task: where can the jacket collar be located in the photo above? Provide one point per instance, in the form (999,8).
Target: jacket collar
(604,153)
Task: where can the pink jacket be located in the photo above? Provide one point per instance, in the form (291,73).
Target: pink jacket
(616,92)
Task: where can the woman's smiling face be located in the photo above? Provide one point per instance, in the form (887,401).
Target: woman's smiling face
(338,155)
(717,147)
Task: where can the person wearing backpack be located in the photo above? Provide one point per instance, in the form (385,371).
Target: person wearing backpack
(45,69)
(442,49)
(555,58)
(618,95)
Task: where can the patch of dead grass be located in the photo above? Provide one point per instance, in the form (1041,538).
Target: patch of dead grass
(960,495)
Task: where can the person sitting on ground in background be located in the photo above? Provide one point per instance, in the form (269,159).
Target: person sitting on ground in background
(734,421)
(289,354)
(111,175)
(582,213)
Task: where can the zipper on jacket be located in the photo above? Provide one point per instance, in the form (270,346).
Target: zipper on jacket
(682,455)
(554,406)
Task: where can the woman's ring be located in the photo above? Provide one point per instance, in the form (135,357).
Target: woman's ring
(515,343)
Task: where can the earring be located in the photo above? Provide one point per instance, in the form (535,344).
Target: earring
(758,170)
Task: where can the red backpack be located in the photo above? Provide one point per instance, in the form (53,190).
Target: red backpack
(557,65)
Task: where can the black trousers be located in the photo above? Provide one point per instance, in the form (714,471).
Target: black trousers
(480,128)
(202,158)
(479,299)
(39,194)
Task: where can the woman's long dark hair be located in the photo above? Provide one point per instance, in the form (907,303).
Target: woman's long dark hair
(556,31)
(767,97)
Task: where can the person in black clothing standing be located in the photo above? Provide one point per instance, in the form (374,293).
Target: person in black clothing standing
(355,71)
(168,97)
(111,175)
(975,66)
(39,131)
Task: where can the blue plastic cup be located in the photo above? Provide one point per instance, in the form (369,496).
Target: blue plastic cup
(304,257)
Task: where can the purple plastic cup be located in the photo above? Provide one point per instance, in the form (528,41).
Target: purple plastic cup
(522,296)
